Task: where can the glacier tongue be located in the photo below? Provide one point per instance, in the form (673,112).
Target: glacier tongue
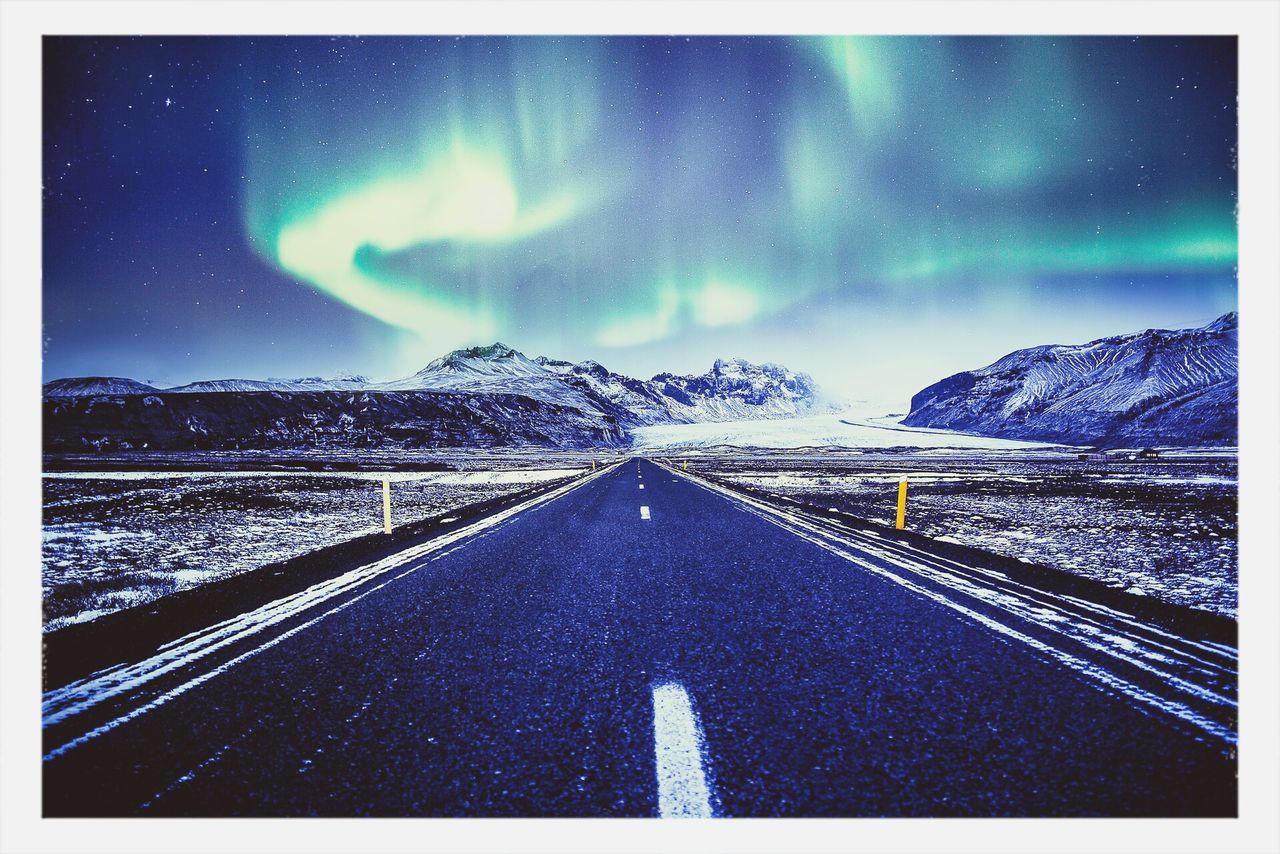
(1171,387)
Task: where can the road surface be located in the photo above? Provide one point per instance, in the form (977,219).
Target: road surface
(640,643)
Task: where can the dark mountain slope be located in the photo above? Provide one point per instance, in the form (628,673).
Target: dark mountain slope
(259,420)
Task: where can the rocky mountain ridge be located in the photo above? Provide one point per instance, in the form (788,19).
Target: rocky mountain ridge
(497,384)
(1155,387)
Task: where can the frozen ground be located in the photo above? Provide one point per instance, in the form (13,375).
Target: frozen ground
(114,539)
(1164,528)
(851,429)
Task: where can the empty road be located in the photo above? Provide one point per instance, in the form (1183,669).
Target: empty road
(642,644)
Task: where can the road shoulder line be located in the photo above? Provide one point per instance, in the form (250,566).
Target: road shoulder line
(64,703)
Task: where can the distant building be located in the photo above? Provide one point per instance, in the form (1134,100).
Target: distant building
(1148,454)
(1093,457)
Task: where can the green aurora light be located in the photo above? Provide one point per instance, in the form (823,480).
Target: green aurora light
(739,179)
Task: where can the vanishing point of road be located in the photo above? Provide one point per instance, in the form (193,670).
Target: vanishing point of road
(641,643)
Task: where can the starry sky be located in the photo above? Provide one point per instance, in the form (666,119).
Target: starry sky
(877,211)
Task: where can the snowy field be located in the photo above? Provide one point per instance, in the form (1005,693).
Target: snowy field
(846,430)
(1164,528)
(114,539)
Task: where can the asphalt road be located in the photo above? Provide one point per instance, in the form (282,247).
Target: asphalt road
(576,658)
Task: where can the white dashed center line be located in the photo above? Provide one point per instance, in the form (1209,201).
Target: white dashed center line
(679,747)
(644,511)
(642,486)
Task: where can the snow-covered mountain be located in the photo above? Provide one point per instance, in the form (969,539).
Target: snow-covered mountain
(229,385)
(98,386)
(497,369)
(732,389)
(473,367)
(736,389)
(91,386)
(342,382)
(1159,386)
(636,402)
(518,397)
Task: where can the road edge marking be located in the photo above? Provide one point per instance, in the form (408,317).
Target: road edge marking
(1096,675)
(67,701)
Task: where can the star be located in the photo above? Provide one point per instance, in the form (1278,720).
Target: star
(634,171)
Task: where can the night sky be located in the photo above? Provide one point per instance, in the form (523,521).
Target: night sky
(879,212)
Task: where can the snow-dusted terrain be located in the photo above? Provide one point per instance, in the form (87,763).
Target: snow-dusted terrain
(735,388)
(345,382)
(117,539)
(496,367)
(477,397)
(1164,529)
(1154,387)
(731,389)
(817,431)
(1159,386)
(94,386)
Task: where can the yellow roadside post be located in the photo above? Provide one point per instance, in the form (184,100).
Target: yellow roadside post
(593,465)
(386,505)
(686,465)
(902,504)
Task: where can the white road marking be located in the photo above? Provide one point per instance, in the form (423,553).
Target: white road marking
(679,747)
(644,511)
(70,700)
(839,546)
(642,486)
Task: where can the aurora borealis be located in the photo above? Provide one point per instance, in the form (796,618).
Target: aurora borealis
(878,211)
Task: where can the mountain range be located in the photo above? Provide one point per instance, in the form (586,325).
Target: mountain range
(493,395)
(1156,387)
